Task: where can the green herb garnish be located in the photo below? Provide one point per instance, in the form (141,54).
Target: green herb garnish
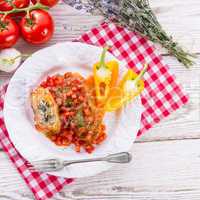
(68,102)
(79,119)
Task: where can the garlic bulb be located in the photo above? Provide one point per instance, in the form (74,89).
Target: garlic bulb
(10,59)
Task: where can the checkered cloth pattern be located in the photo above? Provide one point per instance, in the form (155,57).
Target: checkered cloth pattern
(41,184)
(162,95)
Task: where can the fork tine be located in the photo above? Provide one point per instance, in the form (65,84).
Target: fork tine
(44,161)
(43,164)
(42,168)
(32,169)
(46,169)
(28,164)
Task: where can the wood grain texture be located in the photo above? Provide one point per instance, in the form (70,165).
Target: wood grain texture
(160,170)
(166,159)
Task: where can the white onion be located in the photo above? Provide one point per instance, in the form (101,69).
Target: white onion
(9,53)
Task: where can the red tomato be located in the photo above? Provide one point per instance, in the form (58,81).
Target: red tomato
(5,5)
(37,29)
(9,32)
(49,3)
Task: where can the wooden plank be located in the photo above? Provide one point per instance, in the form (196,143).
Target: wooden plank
(184,26)
(160,170)
(181,20)
(10,180)
(69,25)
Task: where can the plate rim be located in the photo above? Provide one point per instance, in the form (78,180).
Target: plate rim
(23,64)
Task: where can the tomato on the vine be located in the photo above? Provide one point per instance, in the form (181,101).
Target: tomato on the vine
(38,28)
(9,32)
(6,5)
(49,3)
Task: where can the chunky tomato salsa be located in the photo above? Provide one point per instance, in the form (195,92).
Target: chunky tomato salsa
(70,116)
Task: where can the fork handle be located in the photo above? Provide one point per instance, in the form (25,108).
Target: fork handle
(66,163)
(123,157)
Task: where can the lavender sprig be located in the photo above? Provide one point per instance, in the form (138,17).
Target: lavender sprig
(137,16)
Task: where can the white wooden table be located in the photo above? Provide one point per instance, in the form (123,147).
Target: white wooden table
(166,159)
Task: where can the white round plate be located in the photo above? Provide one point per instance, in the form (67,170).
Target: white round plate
(122,126)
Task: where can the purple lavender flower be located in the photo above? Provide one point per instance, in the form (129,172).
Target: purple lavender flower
(109,7)
(81,5)
(137,16)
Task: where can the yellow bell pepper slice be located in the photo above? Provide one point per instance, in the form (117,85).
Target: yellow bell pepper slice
(105,77)
(129,87)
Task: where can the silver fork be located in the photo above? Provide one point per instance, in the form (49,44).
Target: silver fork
(56,164)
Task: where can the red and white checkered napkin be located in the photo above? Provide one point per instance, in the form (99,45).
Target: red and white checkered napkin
(161,96)
(42,185)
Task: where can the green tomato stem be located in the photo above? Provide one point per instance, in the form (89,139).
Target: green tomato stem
(27,9)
